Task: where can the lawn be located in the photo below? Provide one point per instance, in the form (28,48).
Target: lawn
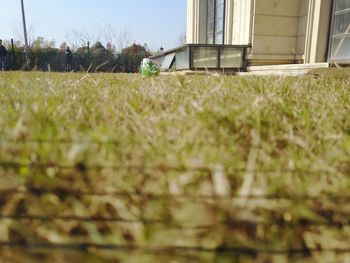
(184,168)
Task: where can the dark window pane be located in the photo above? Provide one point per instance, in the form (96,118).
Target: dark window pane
(220,11)
(211,27)
(341,23)
(219,38)
(211,16)
(341,5)
(211,4)
(215,21)
(219,25)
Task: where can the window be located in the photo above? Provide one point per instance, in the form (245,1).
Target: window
(231,57)
(340,39)
(215,21)
(182,58)
(205,57)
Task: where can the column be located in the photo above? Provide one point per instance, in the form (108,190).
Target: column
(317,33)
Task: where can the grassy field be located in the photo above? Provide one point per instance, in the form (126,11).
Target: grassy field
(174,168)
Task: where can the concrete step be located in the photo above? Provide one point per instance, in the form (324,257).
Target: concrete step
(283,70)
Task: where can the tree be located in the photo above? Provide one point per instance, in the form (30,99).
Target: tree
(102,58)
(79,38)
(120,40)
(111,48)
(41,43)
(46,56)
(63,46)
(17,30)
(96,59)
(123,39)
(182,39)
(81,58)
(43,54)
(130,58)
(16,56)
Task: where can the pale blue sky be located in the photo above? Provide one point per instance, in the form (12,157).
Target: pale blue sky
(155,22)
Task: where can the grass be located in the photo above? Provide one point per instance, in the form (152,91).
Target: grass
(176,138)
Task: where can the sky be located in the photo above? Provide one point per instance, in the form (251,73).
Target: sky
(158,23)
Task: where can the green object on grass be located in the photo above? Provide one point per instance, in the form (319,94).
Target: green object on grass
(149,68)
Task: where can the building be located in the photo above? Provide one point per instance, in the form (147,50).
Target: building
(262,36)
(279,31)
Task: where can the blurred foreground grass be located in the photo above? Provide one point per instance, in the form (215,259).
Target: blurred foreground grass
(153,164)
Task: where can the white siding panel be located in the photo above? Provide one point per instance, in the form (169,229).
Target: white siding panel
(276,25)
(277,45)
(280,7)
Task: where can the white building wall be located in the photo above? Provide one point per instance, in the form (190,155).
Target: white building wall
(275,31)
(229,22)
(302,26)
(196,22)
(192,21)
(242,22)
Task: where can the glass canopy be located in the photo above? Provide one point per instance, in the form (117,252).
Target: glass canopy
(203,57)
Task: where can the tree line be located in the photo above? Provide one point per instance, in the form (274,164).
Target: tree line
(44,56)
